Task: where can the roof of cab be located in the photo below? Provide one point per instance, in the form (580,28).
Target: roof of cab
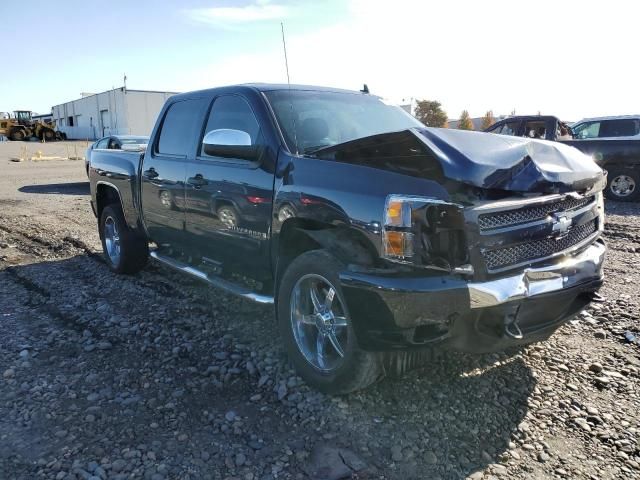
(611,117)
(269,87)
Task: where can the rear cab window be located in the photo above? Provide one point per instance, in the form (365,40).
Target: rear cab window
(619,128)
(535,129)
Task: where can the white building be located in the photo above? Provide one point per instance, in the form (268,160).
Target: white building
(120,111)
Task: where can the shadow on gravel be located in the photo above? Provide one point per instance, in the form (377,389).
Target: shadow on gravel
(451,418)
(75,188)
(622,208)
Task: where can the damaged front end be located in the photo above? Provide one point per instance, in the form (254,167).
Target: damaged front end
(510,253)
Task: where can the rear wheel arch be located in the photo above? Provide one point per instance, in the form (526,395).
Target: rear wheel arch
(106,194)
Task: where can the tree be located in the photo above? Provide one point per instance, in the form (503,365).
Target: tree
(430,113)
(465,121)
(488,120)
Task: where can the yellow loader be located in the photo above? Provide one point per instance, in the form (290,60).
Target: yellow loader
(21,126)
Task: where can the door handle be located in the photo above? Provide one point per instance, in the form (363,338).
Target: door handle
(150,173)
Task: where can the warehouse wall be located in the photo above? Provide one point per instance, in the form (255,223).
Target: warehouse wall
(130,112)
(93,116)
(143,109)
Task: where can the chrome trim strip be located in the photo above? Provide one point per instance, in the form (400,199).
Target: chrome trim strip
(214,281)
(505,205)
(572,271)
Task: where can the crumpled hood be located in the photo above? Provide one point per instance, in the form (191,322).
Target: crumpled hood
(488,160)
(484,160)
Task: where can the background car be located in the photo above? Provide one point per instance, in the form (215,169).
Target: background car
(131,143)
(613,142)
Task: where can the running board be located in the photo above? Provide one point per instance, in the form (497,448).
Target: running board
(212,280)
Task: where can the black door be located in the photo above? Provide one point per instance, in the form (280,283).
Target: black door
(228,195)
(164,170)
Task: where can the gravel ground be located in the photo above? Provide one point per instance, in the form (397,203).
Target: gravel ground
(155,376)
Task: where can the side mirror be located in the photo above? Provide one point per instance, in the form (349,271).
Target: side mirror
(229,143)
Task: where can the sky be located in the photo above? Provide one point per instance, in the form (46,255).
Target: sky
(570,59)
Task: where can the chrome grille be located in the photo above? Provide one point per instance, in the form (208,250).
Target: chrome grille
(508,218)
(524,252)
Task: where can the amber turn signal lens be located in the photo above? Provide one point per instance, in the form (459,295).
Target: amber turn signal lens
(394,213)
(398,244)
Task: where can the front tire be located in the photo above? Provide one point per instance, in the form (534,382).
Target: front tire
(125,251)
(317,330)
(18,135)
(623,184)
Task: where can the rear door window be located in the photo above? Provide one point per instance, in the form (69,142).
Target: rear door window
(627,127)
(178,132)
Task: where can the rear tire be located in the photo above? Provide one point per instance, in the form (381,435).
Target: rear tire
(337,369)
(125,251)
(228,216)
(623,184)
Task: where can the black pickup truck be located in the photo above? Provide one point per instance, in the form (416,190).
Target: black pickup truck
(370,233)
(613,143)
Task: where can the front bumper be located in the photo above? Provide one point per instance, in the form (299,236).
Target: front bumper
(392,312)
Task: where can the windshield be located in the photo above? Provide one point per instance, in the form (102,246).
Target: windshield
(311,120)
(134,141)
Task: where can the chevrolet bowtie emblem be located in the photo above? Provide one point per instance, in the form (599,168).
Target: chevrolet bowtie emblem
(561,225)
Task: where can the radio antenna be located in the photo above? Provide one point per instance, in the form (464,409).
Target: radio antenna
(286,66)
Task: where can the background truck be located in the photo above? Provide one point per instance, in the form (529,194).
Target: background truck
(613,142)
(369,233)
(21,126)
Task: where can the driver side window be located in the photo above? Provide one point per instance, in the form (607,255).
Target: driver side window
(231,112)
(587,130)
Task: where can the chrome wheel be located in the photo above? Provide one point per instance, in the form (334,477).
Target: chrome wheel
(112,240)
(622,185)
(285,213)
(319,322)
(165,199)
(227,217)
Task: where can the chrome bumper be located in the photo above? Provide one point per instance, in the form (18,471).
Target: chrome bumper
(571,271)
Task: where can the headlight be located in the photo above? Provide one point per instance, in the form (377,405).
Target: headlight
(424,231)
